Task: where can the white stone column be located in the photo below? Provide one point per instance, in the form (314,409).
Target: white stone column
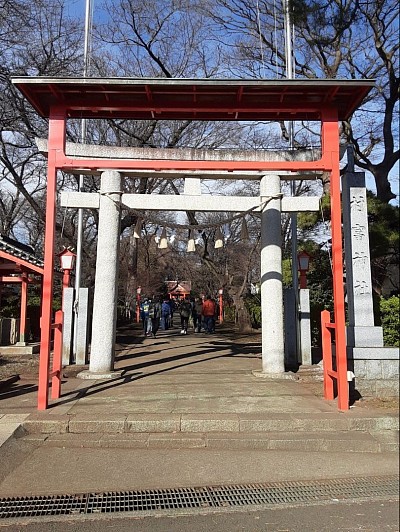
(106,280)
(305,327)
(361,331)
(273,355)
(67,307)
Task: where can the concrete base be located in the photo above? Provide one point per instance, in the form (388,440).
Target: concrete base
(20,349)
(90,375)
(274,376)
(365,336)
(376,370)
(373,353)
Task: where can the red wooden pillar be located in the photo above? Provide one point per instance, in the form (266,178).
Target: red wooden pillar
(24,306)
(330,139)
(56,140)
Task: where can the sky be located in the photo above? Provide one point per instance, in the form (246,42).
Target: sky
(78,8)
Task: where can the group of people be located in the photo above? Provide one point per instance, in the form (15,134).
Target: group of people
(156,314)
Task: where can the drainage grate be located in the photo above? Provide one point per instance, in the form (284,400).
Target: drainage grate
(202,497)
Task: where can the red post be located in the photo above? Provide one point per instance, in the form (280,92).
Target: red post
(57,355)
(66,279)
(24,306)
(303,279)
(56,138)
(138,292)
(330,138)
(327,354)
(221,314)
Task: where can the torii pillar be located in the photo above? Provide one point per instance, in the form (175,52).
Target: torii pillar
(273,351)
(106,281)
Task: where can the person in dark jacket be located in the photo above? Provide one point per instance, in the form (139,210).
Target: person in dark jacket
(185,310)
(197,314)
(165,315)
(155,315)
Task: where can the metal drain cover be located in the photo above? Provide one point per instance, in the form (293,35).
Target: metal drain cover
(202,497)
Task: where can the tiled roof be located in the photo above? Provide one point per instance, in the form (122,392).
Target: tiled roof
(19,251)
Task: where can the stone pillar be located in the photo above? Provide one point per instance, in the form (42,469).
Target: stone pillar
(273,355)
(106,280)
(82,326)
(305,327)
(289,313)
(67,307)
(361,331)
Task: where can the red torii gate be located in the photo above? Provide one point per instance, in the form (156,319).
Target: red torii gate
(326,101)
(19,266)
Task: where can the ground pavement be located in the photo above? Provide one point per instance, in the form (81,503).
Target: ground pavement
(187,411)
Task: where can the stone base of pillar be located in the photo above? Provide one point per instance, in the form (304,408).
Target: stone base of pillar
(286,376)
(370,336)
(106,375)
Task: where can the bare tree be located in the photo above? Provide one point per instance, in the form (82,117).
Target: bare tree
(351,39)
(46,44)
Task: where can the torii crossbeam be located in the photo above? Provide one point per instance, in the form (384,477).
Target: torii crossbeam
(326,101)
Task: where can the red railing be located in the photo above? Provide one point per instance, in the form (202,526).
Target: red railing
(330,374)
(55,374)
(44,370)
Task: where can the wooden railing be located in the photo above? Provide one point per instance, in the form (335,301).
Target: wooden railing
(331,374)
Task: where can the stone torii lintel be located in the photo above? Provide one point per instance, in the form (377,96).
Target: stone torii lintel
(186,202)
(80,152)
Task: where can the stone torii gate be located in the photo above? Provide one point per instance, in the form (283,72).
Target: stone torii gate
(111,200)
(326,101)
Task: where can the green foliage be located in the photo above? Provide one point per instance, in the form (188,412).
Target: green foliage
(383,225)
(390,314)
(286,272)
(319,281)
(253,306)
(230,313)
(307,221)
(10,306)
(326,19)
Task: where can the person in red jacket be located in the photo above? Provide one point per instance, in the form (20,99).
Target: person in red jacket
(208,314)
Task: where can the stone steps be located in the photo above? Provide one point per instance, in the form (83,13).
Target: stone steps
(313,432)
(205,423)
(355,441)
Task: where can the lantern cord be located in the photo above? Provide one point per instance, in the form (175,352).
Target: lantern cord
(63,223)
(324,222)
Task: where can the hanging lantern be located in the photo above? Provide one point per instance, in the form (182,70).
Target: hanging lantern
(191,246)
(163,242)
(219,239)
(244,232)
(138,228)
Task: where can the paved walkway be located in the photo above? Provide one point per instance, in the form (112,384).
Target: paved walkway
(186,410)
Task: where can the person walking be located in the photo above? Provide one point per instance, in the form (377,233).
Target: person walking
(172,306)
(197,314)
(155,315)
(165,315)
(144,314)
(185,312)
(209,313)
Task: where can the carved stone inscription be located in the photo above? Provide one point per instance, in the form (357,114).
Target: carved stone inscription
(358,270)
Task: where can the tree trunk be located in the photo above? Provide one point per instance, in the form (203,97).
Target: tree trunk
(244,323)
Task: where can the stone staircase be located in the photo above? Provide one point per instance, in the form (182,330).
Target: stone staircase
(322,432)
